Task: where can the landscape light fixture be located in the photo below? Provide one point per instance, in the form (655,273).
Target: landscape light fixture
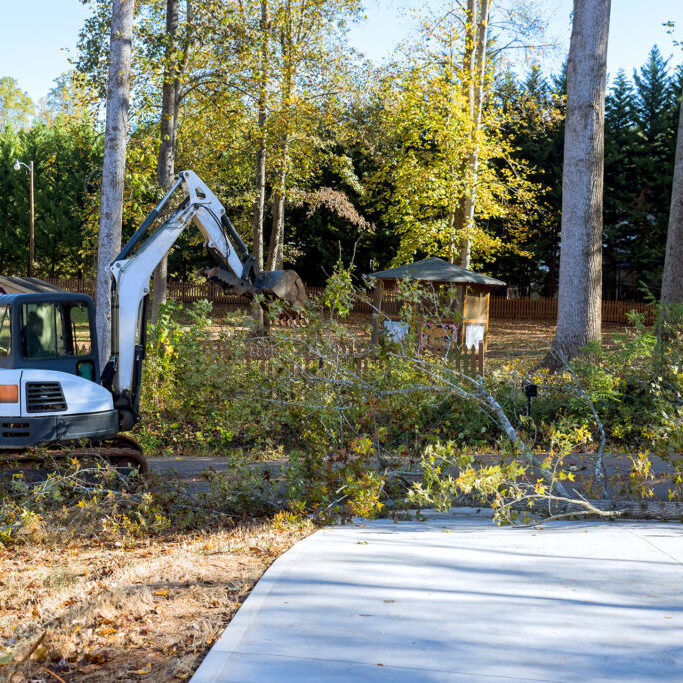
(531,391)
(31,235)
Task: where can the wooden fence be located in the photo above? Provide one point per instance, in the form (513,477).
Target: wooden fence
(470,362)
(546,309)
(538,308)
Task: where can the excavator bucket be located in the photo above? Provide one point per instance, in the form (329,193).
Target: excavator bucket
(284,284)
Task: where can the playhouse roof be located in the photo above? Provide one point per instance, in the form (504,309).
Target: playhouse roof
(436,270)
(25,285)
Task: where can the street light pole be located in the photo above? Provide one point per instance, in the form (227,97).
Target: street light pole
(32,228)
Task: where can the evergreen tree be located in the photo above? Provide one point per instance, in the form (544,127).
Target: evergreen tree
(653,96)
(537,129)
(653,157)
(620,181)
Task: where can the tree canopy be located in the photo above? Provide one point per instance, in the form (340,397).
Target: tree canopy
(341,138)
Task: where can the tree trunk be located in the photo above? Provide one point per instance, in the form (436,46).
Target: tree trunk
(260,201)
(258,211)
(277,234)
(580,292)
(672,280)
(114,164)
(468,66)
(168,129)
(476,93)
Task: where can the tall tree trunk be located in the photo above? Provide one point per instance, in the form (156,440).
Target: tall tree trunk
(262,104)
(168,130)
(580,293)
(257,217)
(277,234)
(468,67)
(476,93)
(114,164)
(672,280)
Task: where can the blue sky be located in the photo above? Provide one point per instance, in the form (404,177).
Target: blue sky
(37,36)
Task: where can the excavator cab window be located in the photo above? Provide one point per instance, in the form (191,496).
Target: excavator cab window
(54,330)
(43,330)
(5,331)
(79,317)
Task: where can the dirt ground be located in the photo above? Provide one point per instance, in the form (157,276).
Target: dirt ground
(98,611)
(528,338)
(509,338)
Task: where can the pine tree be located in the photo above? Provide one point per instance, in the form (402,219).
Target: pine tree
(620,181)
(653,158)
(619,106)
(536,87)
(559,80)
(653,95)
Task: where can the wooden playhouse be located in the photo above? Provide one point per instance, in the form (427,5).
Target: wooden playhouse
(473,294)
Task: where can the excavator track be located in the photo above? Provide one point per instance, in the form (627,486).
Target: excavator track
(122,452)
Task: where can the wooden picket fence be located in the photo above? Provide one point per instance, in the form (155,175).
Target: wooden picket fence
(304,362)
(538,308)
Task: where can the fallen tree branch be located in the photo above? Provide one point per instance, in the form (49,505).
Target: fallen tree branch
(599,466)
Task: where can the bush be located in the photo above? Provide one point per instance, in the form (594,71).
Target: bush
(347,420)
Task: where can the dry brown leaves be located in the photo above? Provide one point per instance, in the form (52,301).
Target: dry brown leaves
(511,338)
(99,612)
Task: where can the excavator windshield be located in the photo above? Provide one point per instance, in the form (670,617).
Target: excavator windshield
(43,330)
(55,330)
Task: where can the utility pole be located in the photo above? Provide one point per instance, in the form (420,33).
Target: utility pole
(32,228)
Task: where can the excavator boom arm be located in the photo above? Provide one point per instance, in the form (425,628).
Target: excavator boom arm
(131,272)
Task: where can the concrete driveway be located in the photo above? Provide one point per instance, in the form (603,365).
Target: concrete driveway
(459,599)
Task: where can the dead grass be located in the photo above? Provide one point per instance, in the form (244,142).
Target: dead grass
(97,611)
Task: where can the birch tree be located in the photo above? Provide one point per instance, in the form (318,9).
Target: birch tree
(474,73)
(437,165)
(313,67)
(262,124)
(114,164)
(277,232)
(579,314)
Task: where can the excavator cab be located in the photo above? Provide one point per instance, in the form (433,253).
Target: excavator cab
(49,371)
(51,331)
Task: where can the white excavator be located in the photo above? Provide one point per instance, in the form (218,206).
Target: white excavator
(54,401)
